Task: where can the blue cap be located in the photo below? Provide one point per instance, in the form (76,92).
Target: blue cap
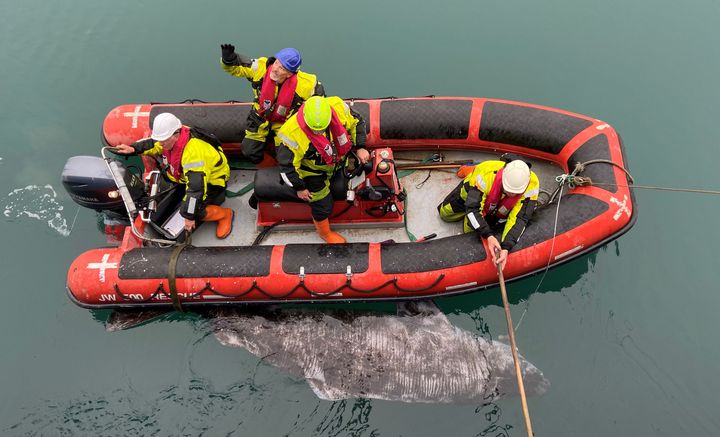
(289,58)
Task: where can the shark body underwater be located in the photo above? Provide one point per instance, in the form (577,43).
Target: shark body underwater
(414,356)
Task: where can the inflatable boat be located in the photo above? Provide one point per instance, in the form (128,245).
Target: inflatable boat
(273,254)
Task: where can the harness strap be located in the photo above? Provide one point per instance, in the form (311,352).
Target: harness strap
(172,273)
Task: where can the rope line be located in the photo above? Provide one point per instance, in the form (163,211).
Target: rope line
(547,266)
(651,187)
(241,191)
(576,181)
(301,285)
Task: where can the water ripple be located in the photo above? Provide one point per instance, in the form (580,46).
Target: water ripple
(39,203)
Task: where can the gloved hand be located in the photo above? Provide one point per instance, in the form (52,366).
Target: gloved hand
(229,57)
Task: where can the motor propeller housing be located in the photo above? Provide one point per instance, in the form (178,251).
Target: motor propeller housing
(90,184)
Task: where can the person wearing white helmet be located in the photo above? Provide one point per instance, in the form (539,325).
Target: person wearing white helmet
(195,159)
(494,193)
(279,88)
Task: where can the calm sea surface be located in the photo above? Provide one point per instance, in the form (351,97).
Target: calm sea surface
(626,336)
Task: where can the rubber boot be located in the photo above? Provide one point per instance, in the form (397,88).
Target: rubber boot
(465,170)
(224,218)
(327,234)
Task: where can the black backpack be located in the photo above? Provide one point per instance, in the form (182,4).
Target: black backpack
(206,136)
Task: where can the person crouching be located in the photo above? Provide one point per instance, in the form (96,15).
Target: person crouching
(195,159)
(494,193)
(314,142)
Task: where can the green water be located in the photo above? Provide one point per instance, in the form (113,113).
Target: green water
(626,336)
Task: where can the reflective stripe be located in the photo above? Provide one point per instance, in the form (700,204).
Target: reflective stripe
(314,171)
(287,141)
(285,179)
(196,164)
(532,193)
(473,220)
(342,139)
(480,182)
(192,202)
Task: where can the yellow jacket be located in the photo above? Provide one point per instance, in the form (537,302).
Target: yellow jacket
(202,165)
(474,191)
(307,84)
(297,157)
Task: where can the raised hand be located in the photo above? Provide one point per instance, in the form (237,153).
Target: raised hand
(229,57)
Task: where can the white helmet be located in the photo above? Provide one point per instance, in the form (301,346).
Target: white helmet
(164,126)
(516,177)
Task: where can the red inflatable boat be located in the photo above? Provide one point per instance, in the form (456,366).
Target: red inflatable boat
(585,207)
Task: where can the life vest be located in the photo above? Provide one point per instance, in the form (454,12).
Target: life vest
(330,155)
(497,205)
(173,157)
(272,109)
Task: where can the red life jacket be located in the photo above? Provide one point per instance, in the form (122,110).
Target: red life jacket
(497,205)
(276,111)
(322,144)
(173,157)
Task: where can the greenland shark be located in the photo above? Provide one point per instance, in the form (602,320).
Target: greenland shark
(414,356)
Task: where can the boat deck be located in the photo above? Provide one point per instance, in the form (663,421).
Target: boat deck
(424,194)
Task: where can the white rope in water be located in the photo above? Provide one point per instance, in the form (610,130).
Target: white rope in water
(573,180)
(72,226)
(552,248)
(651,187)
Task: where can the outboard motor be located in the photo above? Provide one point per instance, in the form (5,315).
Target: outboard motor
(108,187)
(90,184)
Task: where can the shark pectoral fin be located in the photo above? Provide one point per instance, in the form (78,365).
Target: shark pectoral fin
(426,312)
(324,392)
(417,307)
(122,320)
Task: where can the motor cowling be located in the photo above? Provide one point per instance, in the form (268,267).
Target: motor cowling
(90,184)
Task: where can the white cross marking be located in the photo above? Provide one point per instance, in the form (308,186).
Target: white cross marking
(622,207)
(102,266)
(135,115)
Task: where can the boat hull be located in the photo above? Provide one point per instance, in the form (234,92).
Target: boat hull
(587,216)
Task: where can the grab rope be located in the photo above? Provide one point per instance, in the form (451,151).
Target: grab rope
(301,285)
